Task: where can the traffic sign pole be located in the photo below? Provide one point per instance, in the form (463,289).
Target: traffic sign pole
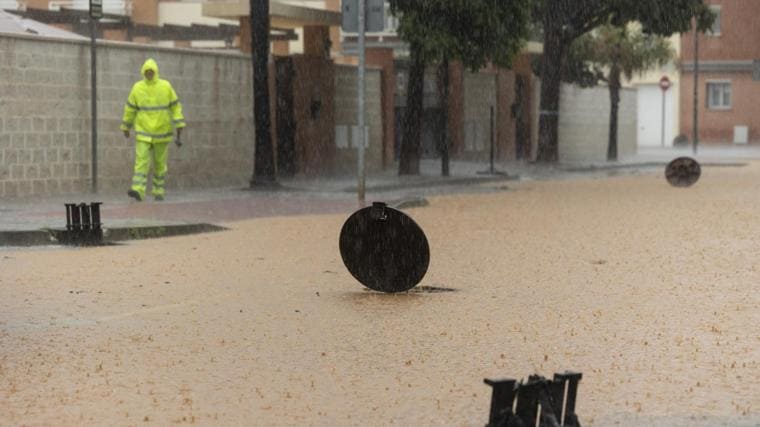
(361,93)
(664,85)
(360,16)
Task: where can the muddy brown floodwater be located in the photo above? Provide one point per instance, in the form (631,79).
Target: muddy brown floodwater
(653,292)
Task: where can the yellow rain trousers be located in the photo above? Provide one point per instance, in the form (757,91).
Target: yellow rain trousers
(153,109)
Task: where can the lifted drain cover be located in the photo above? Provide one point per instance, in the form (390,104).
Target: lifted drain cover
(683,172)
(384,249)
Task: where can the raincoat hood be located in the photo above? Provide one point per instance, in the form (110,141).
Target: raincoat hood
(150,64)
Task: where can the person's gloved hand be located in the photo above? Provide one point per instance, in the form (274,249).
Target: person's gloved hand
(178,142)
(126,134)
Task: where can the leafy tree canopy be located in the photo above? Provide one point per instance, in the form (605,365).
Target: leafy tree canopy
(472,31)
(577,17)
(628,48)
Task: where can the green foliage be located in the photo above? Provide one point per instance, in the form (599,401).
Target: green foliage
(577,17)
(628,49)
(662,17)
(563,21)
(472,31)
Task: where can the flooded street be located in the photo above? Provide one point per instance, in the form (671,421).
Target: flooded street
(651,291)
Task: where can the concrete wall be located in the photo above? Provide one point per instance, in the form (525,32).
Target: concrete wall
(584,124)
(346,110)
(45,116)
(314,114)
(383,58)
(480,96)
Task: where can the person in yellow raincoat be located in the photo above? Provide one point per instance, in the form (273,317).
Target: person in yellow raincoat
(152,109)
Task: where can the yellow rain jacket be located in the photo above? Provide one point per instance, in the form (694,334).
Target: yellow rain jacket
(152,108)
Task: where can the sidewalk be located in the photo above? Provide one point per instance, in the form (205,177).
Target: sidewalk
(296,196)
(302,195)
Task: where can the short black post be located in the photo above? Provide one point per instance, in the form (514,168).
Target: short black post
(502,398)
(493,140)
(527,402)
(76,218)
(69,214)
(572,379)
(529,396)
(85,216)
(95,213)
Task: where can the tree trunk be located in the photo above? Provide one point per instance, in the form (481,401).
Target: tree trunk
(614,86)
(551,80)
(409,161)
(443,74)
(263,160)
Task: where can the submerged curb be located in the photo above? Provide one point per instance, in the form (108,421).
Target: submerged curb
(436,183)
(593,168)
(158,231)
(48,237)
(414,202)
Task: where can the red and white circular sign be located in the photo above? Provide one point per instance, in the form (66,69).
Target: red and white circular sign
(664,83)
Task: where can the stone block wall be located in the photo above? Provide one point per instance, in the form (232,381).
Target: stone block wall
(346,108)
(45,143)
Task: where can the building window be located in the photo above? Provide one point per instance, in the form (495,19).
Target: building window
(719,95)
(715,30)
(391,22)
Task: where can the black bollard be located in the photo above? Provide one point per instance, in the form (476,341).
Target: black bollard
(502,399)
(83,226)
(532,394)
(567,382)
(76,218)
(539,402)
(85,212)
(95,214)
(69,216)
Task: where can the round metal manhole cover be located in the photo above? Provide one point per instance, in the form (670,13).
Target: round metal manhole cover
(683,172)
(384,249)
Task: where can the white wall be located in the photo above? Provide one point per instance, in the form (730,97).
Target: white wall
(584,124)
(186,13)
(480,96)
(650,117)
(8,4)
(109,6)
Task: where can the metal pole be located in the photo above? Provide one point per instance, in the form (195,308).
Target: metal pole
(663,119)
(360,97)
(696,88)
(94,105)
(492,140)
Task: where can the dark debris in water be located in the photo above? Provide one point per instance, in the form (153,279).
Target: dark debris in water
(422,290)
(430,289)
